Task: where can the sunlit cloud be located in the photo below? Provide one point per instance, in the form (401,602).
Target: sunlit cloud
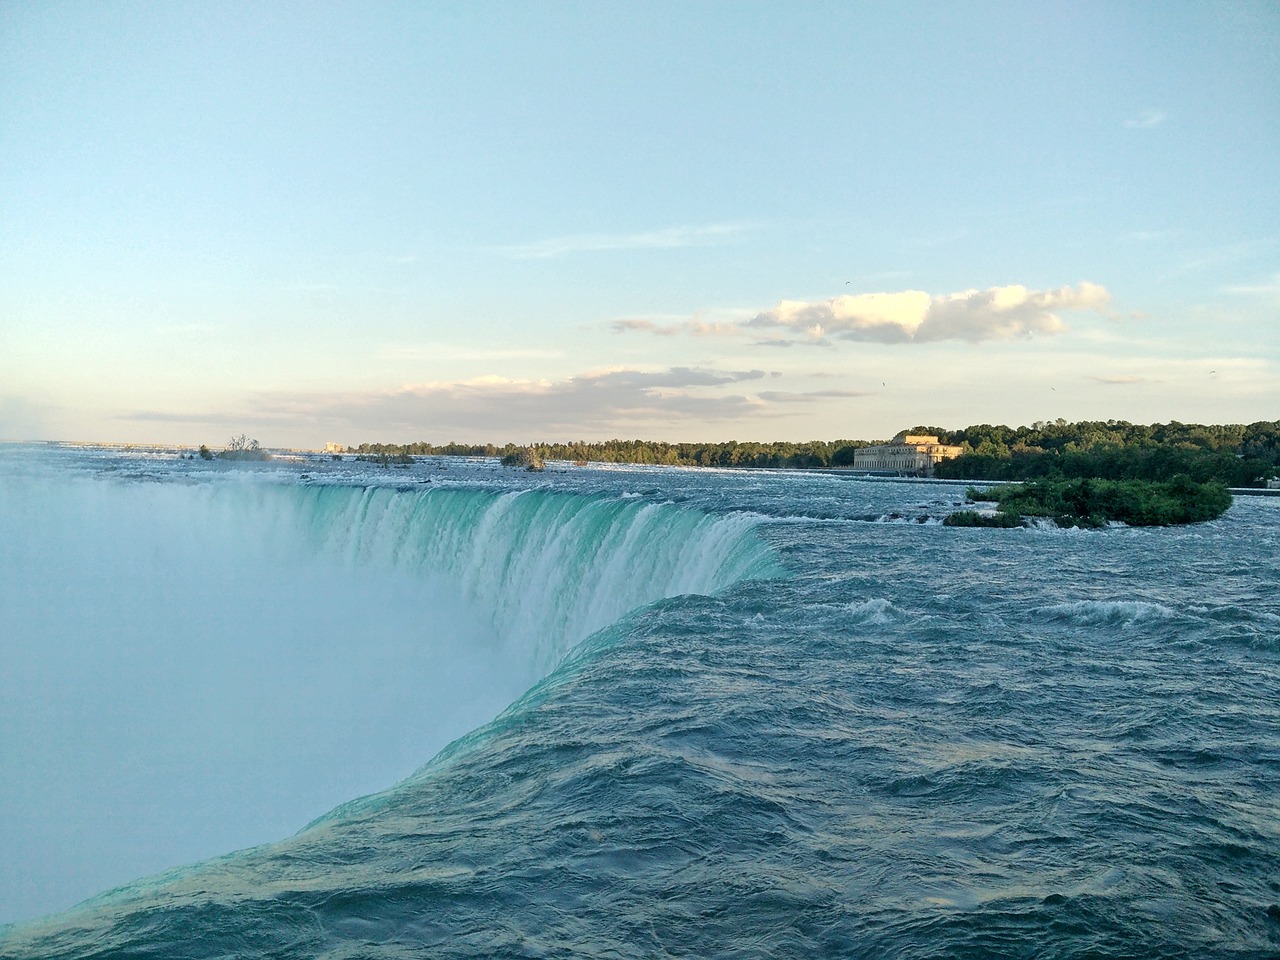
(665,239)
(999,313)
(1147,120)
(910,316)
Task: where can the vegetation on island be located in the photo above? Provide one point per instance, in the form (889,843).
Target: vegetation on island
(972,518)
(1088,502)
(526,457)
(383,459)
(241,448)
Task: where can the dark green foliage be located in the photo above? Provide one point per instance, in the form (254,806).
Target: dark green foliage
(971,518)
(1094,503)
(526,457)
(385,459)
(1233,454)
(975,495)
(732,453)
(243,448)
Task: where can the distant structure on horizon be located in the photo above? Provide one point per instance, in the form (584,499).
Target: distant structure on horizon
(907,453)
(334,448)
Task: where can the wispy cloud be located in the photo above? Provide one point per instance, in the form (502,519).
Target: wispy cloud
(1231,253)
(316,287)
(782,343)
(449,351)
(912,316)
(185,329)
(1268,288)
(1120,381)
(665,239)
(1152,236)
(1147,120)
(695,328)
(780,396)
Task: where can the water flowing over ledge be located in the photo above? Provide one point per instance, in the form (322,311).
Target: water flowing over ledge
(550,568)
(238,655)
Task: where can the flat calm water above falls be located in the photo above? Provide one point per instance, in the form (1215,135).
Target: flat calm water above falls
(624,712)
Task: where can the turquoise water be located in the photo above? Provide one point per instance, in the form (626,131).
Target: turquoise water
(683,713)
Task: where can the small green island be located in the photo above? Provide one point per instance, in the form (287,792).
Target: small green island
(1093,502)
(239,448)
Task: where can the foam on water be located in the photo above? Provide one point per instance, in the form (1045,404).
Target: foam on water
(1109,611)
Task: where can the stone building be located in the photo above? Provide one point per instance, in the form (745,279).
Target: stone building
(909,454)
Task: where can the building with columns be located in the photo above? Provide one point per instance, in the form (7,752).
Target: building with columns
(908,454)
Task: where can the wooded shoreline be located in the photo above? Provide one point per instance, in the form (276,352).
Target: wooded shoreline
(1236,455)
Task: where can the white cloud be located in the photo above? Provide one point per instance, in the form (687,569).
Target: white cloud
(1148,119)
(999,313)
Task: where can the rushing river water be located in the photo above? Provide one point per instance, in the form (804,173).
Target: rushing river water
(622,712)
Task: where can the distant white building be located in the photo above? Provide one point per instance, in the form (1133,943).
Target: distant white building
(334,448)
(911,454)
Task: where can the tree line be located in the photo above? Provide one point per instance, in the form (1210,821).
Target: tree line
(731,453)
(1237,455)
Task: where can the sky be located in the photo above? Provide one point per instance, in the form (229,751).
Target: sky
(492,222)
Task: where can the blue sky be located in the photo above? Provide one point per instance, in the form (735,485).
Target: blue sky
(501,221)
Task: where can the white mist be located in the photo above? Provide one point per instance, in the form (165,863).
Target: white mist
(180,676)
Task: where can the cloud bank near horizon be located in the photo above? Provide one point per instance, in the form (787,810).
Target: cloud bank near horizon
(614,399)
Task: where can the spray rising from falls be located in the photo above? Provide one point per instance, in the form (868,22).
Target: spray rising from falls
(207,665)
(550,568)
